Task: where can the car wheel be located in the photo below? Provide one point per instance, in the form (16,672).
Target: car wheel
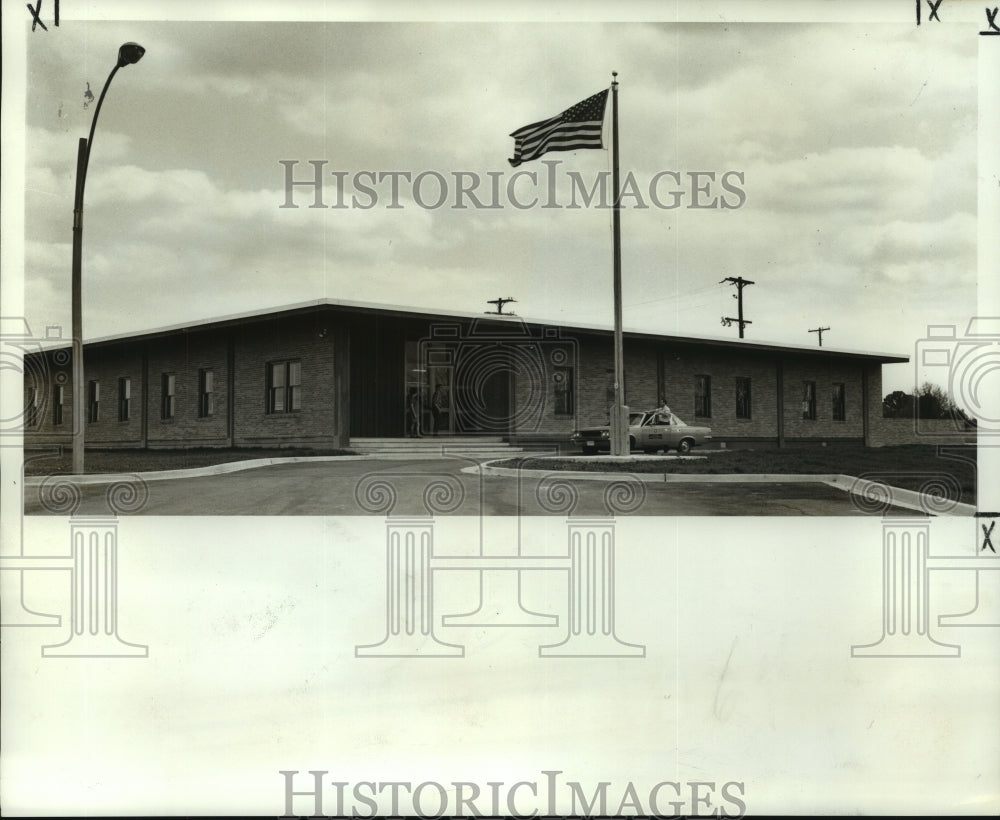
(684,446)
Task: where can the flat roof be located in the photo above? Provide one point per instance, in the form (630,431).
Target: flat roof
(423,313)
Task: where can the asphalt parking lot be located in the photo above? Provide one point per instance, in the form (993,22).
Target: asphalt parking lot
(450,487)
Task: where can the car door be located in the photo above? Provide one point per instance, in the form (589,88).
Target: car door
(671,433)
(637,429)
(655,433)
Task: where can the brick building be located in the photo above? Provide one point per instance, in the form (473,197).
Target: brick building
(318,374)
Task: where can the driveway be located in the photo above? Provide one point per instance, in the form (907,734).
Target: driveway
(453,486)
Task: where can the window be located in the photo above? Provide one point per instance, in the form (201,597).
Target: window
(809,401)
(31,411)
(206,393)
(169,386)
(93,401)
(124,398)
(703,396)
(284,387)
(58,399)
(839,405)
(742,397)
(562,386)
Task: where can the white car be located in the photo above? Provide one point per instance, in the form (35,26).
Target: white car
(650,431)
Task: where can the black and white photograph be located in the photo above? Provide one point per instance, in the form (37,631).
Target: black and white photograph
(500,409)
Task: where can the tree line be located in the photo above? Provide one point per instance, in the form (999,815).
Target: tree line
(925,402)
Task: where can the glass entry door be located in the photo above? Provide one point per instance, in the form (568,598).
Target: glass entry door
(439,403)
(415,395)
(427,396)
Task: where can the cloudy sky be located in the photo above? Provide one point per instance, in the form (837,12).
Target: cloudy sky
(856,146)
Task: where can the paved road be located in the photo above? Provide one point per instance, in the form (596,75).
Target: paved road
(439,486)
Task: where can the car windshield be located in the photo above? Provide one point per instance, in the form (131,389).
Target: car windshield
(635,419)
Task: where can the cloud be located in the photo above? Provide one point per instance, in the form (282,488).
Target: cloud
(858,147)
(863,180)
(48,149)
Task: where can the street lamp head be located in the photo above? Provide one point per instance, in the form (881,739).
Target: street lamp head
(130,53)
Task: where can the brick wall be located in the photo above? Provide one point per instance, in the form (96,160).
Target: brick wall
(642,379)
(873,385)
(238,417)
(114,426)
(654,369)
(299,338)
(595,378)
(107,369)
(824,373)
(185,357)
(682,366)
(534,394)
(42,374)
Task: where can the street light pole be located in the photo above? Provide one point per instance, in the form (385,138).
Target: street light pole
(129,53)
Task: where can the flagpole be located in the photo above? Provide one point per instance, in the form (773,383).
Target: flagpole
(619,414)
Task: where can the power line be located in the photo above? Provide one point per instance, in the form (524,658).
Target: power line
(677,297)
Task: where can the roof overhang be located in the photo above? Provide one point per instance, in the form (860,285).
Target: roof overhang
(345,306)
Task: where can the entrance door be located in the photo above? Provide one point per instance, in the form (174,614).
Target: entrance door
(427,394)
(482,400)
(440,405)
(416,400)
(465,388)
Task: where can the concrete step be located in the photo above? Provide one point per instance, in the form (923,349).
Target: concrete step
(429,445)
(428,441)
(431,451)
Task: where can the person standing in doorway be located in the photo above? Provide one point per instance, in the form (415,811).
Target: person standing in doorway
(413,413)
(439,406)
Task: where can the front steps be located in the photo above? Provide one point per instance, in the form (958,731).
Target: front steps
(430,446)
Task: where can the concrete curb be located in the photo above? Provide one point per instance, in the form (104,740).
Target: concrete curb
(239,466)
(190,472)
(908,499)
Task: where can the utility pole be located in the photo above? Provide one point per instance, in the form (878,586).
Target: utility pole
(819,330)
(740,283)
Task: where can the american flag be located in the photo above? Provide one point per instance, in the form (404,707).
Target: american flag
(577,127)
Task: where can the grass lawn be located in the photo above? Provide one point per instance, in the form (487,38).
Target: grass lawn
(910,466)
(142,461)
